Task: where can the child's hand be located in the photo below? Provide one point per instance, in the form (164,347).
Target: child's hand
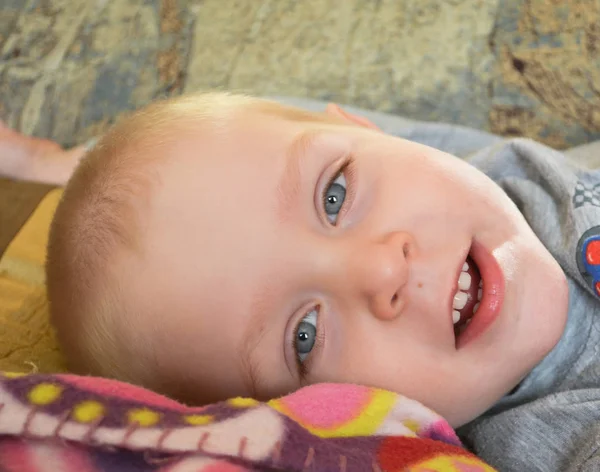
(34,159)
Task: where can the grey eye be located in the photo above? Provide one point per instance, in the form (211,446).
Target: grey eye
(306,335)
(334,198)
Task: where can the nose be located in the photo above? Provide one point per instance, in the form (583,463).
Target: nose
(381,272)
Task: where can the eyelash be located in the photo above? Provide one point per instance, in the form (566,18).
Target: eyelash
(349,170)
(304,367)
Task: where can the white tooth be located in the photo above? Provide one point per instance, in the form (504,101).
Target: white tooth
(480,283)
(460,300)
(465,267)
(455,316)
(475,308)
(479,294)
(464,281)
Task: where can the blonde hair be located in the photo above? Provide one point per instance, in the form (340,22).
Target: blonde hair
(99,217)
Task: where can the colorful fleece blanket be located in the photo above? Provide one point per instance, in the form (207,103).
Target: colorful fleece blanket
(67,423)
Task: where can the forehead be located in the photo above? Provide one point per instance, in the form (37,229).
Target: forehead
(215,179)
(212,228)
(213,235)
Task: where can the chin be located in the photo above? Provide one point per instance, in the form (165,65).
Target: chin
(537,337)
(551,310)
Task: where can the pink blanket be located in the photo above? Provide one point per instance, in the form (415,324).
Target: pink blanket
(82,424)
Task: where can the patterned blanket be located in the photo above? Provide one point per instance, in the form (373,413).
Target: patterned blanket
(84,424)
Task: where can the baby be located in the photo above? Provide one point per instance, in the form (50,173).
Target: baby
(219,245)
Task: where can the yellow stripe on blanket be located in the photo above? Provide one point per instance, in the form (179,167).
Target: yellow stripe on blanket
(361,415)
(27,341)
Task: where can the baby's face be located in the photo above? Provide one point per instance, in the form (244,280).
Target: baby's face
(283,253)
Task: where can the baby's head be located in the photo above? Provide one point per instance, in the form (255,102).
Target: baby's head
(218,245)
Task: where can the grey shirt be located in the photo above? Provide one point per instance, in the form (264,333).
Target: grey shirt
(551,421)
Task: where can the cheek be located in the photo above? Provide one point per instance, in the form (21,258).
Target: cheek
(422,184)
(426,207)
(542,301)
(367,351)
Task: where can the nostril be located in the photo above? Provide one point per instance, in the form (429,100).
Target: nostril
(394,299)
(405,249)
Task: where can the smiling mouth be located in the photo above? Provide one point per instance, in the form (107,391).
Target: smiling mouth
(468,296)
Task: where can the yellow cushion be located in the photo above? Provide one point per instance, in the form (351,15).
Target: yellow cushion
(27,341)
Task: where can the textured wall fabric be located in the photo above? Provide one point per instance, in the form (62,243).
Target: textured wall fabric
(514,67)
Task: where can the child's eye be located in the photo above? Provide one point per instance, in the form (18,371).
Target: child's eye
(334,196)
(305,335)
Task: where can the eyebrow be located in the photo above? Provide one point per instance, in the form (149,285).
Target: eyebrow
(257,327)
(289,185)
(287,192)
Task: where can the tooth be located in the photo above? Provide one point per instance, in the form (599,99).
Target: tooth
(460,300)
(455,316)
(465,267)
(464,281)
(479,294)
(475,308)
(480,283)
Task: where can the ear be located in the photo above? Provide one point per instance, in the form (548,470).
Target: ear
(336,110)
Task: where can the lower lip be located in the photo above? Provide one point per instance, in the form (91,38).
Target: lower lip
(493,295)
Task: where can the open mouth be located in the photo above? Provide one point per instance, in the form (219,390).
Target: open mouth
(468,296)
(479,295)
